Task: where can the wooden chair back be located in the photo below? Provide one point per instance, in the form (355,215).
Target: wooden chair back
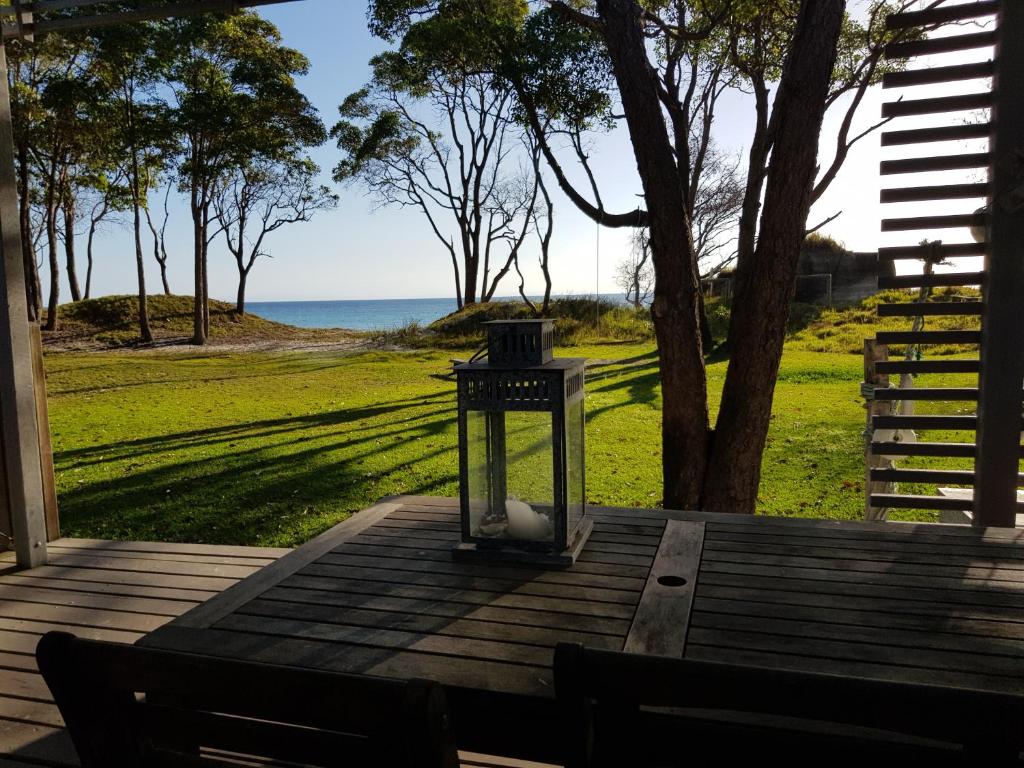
(625,709)
(131,707)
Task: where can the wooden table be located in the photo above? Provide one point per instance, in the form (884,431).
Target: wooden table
(380,595)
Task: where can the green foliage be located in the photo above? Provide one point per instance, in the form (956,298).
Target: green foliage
(819,242)
(578,320)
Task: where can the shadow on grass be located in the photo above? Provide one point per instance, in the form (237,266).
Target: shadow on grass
(275,481)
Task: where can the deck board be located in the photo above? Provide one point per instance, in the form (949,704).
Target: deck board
(115,591)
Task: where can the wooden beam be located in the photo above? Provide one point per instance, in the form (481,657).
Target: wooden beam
(1002,348)
(17,378)
(153,12)
(45,442)
(662,616)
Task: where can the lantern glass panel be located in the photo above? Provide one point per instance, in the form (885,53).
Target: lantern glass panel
(510,475)
(575,473)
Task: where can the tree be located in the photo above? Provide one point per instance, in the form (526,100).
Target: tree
(236,102)
(461,177)
(131,65)
(635,274)
(261,198)
(660,67)
(60,138)
(160,238)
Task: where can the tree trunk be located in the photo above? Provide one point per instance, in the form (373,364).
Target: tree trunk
(51,248)
(145,333)
(32,287)
(69,251)
(243,278)
(469,296)
(198,240)
(160,260)
(765,284)
(89,255)
(685,430)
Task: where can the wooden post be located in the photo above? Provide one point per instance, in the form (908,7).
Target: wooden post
(874,353)
(18,413)
(45,442)
(1002,347)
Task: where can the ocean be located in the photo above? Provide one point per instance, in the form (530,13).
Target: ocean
(362,315)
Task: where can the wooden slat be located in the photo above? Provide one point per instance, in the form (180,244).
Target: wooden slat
(935,45)
(928,337)
(930,193)
(915,223)
(388,639)
(944,250)
(931,135)
(933,394)
(279,605)
(433,578)
(301,590)
(904,501)
(930,308)
(945,450)
(210,550)
(965,423)
(931,164)
(135,564)
(938,280)
(930,366)
(943,14)
(937,105)
(933,75)
(662,616)
(330,580)
(929,476)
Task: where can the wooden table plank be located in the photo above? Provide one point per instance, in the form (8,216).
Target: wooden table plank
(663,614)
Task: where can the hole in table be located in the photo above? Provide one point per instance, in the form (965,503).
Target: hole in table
(672,581)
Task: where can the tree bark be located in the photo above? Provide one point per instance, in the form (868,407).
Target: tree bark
(32,287)
(243,278)
(145,333)
(198,241)
(69,251)
(685,423)
(160,260)
(53,304)
(765,283)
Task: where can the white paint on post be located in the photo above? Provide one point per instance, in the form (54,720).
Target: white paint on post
(17,378)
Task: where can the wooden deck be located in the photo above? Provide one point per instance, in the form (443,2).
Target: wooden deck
(379,594)
(116,591)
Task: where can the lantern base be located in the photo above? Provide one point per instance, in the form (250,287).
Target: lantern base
(508,553)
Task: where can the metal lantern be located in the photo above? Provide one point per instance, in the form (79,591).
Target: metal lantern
(521,469)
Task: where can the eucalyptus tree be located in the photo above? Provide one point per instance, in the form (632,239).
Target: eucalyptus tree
(131,67)
(236,102)
(659,67)
(60,140)
(442,140)
(50,88)
(260,198)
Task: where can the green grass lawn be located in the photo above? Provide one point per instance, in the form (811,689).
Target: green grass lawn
(271,449)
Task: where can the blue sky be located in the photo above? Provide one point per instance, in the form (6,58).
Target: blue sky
(361,252)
